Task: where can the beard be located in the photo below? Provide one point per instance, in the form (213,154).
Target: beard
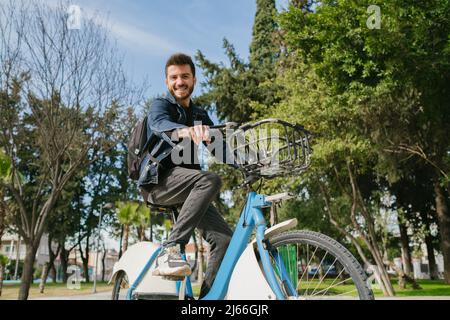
(182,95)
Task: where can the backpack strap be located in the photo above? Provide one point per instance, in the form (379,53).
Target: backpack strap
(162,155)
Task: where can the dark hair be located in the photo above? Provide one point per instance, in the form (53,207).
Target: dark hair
(179,59)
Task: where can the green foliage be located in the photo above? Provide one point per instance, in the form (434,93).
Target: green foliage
(5,166)
(3,260)
(132,213)
(243,90)
(263,49)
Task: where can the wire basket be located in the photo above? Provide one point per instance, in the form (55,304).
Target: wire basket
(271,148)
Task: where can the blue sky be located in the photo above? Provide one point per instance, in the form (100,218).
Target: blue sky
(148,31)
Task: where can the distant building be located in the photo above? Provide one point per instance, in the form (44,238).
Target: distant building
(12,247)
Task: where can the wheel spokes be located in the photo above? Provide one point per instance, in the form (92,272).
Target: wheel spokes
(319,272)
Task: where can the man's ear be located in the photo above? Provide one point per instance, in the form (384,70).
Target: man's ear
(195,81)
(167,83)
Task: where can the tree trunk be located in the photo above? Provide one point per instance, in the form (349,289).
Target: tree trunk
(443,216)
(52,256)
(432,267)
(379,269)
(403,278)
(120,242)
(103,262)
(27,272)
(370,237)
(86,267)
(53,273)
(44,276)
(2,272)
(85,258)
(16,269)
(141,233)
(406,253)
(200,257)
(64,257)
(125,238)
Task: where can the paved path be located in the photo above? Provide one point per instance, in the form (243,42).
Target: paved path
(95,296)
(107,296)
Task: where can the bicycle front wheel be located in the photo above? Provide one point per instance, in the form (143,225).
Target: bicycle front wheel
(311,265)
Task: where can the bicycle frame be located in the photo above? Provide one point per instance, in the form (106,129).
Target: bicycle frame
(251,217)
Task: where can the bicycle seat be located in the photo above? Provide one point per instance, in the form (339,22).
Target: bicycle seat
(159,207)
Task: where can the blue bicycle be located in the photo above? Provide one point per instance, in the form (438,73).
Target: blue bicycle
(275,263)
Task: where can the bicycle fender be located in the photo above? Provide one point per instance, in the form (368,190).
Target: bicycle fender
(132,263)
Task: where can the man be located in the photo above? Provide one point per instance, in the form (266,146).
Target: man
(171,183)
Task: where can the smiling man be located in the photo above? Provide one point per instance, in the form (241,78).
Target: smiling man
(170,183)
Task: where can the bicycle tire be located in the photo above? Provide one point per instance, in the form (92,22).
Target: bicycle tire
(119,292)
(347,261)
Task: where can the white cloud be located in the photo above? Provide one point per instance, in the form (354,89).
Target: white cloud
(135,38)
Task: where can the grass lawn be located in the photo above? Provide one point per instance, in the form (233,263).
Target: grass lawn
(429,288)
(11,291)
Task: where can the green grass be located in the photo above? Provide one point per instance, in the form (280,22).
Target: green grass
(429,288)
(11,291)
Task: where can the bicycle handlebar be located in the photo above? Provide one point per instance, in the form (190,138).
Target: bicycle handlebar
(224,125)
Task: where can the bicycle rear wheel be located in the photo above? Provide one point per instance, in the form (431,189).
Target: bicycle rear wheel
(121,285)
(310,265)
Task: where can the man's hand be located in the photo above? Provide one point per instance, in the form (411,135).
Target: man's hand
(198,133)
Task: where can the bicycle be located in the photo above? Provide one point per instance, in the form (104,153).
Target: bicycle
(277,264)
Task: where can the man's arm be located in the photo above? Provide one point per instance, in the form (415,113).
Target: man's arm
(228,157)
(160,120)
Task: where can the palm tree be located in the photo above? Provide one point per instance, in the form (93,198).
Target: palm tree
(141,220)
(126,215)
(130,214)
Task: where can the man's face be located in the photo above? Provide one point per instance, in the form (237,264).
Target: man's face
(180,81)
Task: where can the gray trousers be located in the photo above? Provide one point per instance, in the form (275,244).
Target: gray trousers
(195,190)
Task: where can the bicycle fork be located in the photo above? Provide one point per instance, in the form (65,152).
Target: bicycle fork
(265,256)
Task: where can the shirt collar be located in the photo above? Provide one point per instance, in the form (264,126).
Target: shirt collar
(169,97)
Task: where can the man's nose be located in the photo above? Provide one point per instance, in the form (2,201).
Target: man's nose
(179,81)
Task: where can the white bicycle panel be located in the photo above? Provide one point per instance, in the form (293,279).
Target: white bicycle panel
(134,260)
(247,281)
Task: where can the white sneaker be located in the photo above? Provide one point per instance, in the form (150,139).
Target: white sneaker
(171,265)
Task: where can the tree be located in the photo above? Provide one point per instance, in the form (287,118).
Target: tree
(132,213)
(241,91)
(62,88)
(376,84)
(3,263)
(5,175)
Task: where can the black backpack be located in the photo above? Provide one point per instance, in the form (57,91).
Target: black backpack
(137,145)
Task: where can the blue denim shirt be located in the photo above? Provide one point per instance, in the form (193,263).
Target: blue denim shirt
(165,115)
